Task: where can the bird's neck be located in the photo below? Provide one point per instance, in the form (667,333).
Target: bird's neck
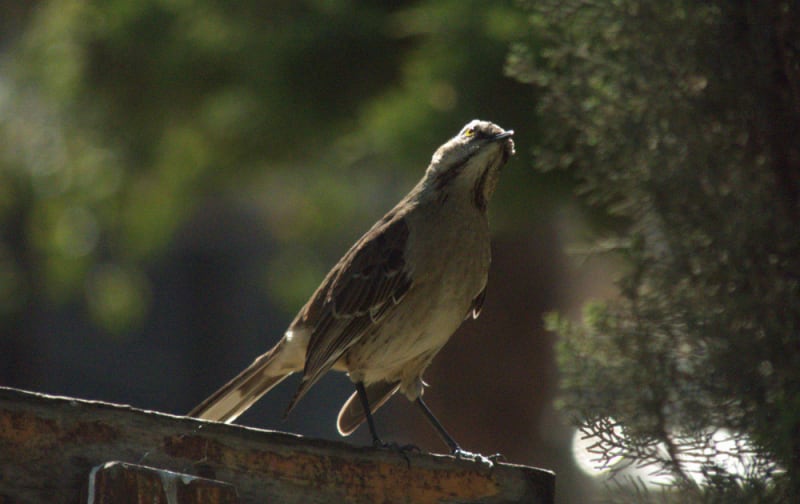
(468,185)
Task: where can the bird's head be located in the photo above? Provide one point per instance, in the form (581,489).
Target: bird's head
(472,160)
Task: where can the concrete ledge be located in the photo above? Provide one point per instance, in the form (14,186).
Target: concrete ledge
(49,447)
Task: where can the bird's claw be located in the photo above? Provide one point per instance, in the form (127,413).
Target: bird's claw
(483,460)
(497,457)
(403,450)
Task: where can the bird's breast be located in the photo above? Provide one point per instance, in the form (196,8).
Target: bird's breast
(450,245)
(449,261)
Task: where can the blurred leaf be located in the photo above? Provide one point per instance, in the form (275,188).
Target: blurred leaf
(675,117)
(117,298)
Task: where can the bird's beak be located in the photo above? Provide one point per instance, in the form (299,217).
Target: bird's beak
(501,136)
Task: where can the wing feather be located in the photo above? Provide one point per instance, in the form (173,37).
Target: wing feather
(477,304)
(372,278)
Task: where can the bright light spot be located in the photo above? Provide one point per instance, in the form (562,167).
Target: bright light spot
(583,459)
(720,448)
(724,450)
(587,461)
(584,448)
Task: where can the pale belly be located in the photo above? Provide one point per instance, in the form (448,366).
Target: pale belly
(448,276)
(402,345)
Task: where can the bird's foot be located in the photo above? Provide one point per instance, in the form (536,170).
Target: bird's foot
(483,460)
(497,457)
(403,450)
(377,443)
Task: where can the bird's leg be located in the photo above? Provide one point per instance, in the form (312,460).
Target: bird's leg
(376,441)
(446,437)
(455,449)
(362,395)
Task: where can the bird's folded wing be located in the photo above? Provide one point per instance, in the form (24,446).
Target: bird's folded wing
(371,278)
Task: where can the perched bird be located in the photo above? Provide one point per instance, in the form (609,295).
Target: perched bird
(395,298)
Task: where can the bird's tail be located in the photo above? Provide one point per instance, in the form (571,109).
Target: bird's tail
(236,396)
(352,413)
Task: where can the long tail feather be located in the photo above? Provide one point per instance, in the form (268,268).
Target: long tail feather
(352,413)
(236,396)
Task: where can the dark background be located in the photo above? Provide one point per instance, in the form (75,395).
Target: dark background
(177,177)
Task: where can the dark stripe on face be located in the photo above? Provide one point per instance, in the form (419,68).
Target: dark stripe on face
(446,177)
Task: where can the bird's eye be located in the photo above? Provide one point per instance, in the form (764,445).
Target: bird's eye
(468,133)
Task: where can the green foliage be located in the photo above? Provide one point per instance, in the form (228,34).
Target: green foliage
(681,119)
(118,118)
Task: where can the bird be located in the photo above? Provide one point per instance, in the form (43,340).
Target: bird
(396,296)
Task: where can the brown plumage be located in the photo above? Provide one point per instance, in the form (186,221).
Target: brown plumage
(395,298)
